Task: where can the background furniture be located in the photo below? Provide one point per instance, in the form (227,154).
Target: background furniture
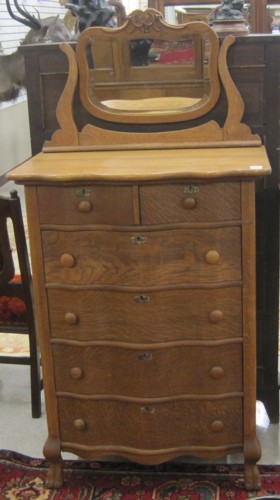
(16,314)
(253,62)
(259,15)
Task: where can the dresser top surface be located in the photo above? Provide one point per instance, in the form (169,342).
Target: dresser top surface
(143,165)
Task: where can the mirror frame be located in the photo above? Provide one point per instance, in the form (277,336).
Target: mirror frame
(148,24)
(95,134)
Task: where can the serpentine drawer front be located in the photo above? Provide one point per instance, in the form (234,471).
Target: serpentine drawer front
(145,291)
(144,258)
(79,369)
(188,314)
(147,426)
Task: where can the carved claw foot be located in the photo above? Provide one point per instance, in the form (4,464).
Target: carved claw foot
(55,476)
(252,477)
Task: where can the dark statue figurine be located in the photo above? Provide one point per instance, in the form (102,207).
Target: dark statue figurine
(92,13)
(229,10)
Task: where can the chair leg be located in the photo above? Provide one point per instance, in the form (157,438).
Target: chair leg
(35,376)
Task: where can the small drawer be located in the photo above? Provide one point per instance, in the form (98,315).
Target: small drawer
(162,316)
(149,372)
(143,258)
(85,205)
(178,423)
(190,203)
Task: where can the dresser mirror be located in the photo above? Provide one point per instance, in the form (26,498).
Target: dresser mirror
(149,84)
(148,71)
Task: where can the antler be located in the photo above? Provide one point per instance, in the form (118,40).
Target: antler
(27,19)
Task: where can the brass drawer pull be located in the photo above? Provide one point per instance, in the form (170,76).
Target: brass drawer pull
(139,240)
(145,356)
(142,299)
(147,409)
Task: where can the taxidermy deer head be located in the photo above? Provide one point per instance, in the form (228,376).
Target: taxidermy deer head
(12,70)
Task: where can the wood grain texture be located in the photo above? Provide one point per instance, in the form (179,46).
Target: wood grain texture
(167,203)
(121,424)
(139,372)
(166,257)
(185,311)
(108,204)
(145,165)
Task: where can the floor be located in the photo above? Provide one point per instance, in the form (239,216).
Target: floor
(21,433)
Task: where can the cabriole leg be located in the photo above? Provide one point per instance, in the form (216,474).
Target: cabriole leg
(252,453)
(55,472)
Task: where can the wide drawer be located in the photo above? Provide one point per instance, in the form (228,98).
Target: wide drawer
(190,203)
(85,205)
(143,258)
(150,426)
(148,316)
(148,372)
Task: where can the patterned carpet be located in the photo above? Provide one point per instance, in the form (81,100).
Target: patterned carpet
(22,478)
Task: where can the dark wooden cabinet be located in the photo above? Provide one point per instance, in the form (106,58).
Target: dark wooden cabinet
(254,65)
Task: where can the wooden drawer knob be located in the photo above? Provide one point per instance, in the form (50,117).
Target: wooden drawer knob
(76,373)
(189,202)
(216,316)
(217,426)
(80,424)
(212,257)
(84,206)
(217,372)
(71,318)
(67,260)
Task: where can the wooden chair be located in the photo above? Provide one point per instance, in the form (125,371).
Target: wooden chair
(16,305)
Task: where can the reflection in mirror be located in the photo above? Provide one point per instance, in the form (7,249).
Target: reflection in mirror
(180,14)
(211,13)
(163,57)
(273,18)
(184,13)
(146,51)
(151,75)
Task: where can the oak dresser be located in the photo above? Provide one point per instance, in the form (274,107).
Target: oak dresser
(142,235)
(144,273)
(253,63)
